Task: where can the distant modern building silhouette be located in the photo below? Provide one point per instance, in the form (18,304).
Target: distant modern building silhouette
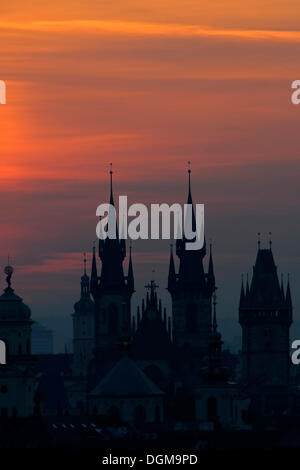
(41,339)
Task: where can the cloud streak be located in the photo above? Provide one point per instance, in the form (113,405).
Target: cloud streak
(138,28)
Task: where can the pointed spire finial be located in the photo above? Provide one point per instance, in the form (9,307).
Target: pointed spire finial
(94,274)
(247,286)
(211,273)
(215,313)
(258,240)
(84,262)
(189,173)
(288,298)
(111,190)
(270,240)
(242,294)
(172,273)
(282,286)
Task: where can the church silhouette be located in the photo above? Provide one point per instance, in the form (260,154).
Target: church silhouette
(152,369)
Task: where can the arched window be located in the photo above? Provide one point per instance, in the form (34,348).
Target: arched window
(20,348)
(15,412)
(28,346)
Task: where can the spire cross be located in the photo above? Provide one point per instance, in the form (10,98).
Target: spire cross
(270,240)
(189,167)
(258,240)
(152,286)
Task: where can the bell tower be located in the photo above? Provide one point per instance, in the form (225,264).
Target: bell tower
(191,291)
(83,328)
(265,315)
(112,291)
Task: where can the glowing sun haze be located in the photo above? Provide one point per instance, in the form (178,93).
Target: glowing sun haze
(146,85)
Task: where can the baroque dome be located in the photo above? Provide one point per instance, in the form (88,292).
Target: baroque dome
(12,306)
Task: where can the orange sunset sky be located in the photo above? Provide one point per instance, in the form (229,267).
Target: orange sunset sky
(146,85)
